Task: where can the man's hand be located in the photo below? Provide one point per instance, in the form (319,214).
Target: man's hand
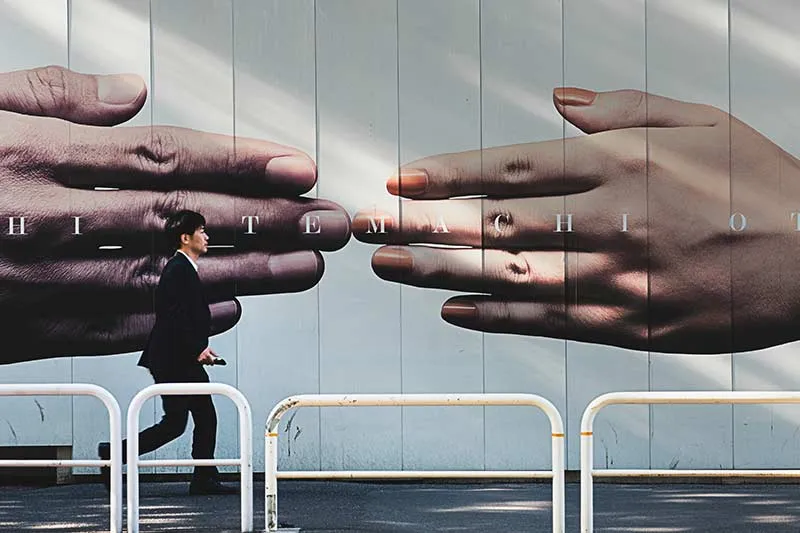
(207,356)
(62,290)
(657,259)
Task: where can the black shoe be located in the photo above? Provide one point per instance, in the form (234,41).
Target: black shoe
(104,452)
(210,486)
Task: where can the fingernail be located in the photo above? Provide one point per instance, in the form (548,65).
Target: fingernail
(392,262)
(459,311)
(297,170)
(410,182)
(574,96)
(369,222)
(332,225)
(119,89)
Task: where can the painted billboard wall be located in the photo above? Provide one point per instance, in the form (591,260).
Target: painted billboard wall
(556,197)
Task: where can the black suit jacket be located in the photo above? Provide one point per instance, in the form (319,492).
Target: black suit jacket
(182,327)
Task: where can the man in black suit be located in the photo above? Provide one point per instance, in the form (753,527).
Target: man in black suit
(177,350)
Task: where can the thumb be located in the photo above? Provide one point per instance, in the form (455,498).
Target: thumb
(593,111)
(82,98)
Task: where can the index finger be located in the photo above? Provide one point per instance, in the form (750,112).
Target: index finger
(168,158)
(533,169)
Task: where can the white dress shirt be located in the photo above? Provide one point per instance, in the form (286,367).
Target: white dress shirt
(189,258)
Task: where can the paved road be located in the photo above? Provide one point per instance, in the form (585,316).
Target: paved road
(318,507)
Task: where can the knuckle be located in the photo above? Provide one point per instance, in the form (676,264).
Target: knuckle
(454,172)
(159,153)
(22,144)
(515,170)
(430,265)
(244,163)
(553,319)
(638,326)
(640,333)
(236,164)
(49,88)
(100,330)
(500,315)
(635,103)
(167,203)
(632,163)
(517,271)
(142,274)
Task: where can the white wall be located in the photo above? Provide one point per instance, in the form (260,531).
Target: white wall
(364,86)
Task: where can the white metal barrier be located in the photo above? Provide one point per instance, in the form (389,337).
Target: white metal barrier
(115,434)
(245,460)
(355,400)
(588,472)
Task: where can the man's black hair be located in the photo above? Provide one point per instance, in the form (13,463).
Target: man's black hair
(182,222)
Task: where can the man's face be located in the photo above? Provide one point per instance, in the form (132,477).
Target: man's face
(197,242)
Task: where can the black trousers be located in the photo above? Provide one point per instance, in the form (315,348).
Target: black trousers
(173,424)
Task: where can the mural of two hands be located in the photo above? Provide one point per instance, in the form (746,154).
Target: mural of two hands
(705,264)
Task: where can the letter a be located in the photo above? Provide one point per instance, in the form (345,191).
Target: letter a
(440,226)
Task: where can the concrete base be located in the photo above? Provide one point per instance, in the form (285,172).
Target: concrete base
(64,473)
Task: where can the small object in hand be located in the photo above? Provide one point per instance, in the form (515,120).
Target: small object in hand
(218,361)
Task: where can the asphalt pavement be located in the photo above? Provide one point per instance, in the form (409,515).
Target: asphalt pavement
(316,506)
